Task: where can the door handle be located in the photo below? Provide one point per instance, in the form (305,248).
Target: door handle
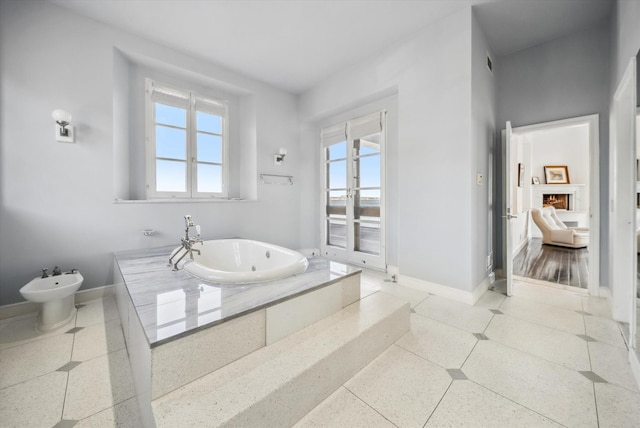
(509,216)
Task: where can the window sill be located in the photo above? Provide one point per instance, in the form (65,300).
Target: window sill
(180,201)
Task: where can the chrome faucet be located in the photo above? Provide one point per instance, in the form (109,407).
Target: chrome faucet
(187,242)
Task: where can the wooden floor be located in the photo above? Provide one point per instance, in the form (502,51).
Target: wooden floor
(566,266)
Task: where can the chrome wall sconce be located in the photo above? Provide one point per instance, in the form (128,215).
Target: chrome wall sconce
(279,158)
(64,131)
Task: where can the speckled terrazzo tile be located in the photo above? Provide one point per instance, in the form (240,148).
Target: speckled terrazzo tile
(469,404)
(604,330)
(415,297)
(490,300)
(24,362)
(35,403)
(597,306)
(548,295)
(543,314)
(394,385)
(96,340)
(98,384)
(617,407)
(122,415)
(612,364)
(437,342)
(97,312)
(558,393)
(177,363)
(343,409)
(466,317)
(553,345)
(20,330)
(310,371)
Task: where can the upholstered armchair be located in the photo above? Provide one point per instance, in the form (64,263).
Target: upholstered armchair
(555,232)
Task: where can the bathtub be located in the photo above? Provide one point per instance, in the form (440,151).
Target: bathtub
(243,261)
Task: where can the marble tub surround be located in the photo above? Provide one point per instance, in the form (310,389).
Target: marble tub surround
(174,304)
(179,328)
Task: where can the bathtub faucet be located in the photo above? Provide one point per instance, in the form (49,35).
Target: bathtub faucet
(187,243)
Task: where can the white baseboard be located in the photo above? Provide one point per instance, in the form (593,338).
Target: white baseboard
(468,297)
(520,247)
(24,308)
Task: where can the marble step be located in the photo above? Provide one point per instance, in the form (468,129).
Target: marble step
(280,383)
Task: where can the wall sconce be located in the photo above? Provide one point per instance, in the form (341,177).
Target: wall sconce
(279,158)
(64,131)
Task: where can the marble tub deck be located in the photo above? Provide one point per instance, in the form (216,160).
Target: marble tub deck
(172,304)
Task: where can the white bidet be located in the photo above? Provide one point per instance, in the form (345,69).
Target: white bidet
(56,294)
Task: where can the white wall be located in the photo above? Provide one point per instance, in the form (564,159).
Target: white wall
(483,145)
(564,78)
(439,234)
(57,199)
(562,146)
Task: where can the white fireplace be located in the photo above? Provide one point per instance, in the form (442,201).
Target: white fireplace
(571,202)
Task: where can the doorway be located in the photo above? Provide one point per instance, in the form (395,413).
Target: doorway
(528,184)
(353,169)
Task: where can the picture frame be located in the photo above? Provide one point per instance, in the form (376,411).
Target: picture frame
(556,174)
(535,180)
(520,175)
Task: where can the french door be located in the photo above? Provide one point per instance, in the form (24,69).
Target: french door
(353,191)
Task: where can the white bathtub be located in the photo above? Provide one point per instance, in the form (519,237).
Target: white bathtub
(243,261)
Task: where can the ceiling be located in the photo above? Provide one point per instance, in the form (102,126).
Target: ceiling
(294,44)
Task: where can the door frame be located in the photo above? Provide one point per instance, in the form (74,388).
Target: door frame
(594,189)
(372,261)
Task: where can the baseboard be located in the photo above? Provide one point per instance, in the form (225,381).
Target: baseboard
(24,308)
(520,247)
(468,297)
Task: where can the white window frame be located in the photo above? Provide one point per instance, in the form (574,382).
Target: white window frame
(192,102)
(328,137)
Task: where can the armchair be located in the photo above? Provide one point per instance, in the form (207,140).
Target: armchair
(555,232)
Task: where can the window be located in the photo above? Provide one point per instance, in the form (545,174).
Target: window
(353,190)
(187,144)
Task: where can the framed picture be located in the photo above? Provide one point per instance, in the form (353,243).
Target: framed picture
(535,180)
(556,174)
(520,174)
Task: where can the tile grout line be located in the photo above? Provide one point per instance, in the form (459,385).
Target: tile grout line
(66,387)
(437,405)
(515,402)
(595,404)
(361,400)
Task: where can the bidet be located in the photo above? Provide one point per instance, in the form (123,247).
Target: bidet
(56,295)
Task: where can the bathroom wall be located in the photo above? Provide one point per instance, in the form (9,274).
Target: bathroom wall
(57,199)
(438,232)
(483,140)
(563,78)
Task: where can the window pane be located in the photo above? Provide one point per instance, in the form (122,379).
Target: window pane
(370,144)
(171,143)
(337,174)
(369,171)
(209,148)
(337,233)
(337,204)
(367,237)
(338,151)
(171,176)
(170,115)
(209,178)
(366,204)
(209,123)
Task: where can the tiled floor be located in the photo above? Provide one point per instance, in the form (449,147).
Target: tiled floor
(544,357)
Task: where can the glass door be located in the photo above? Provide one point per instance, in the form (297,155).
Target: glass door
(353,194)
